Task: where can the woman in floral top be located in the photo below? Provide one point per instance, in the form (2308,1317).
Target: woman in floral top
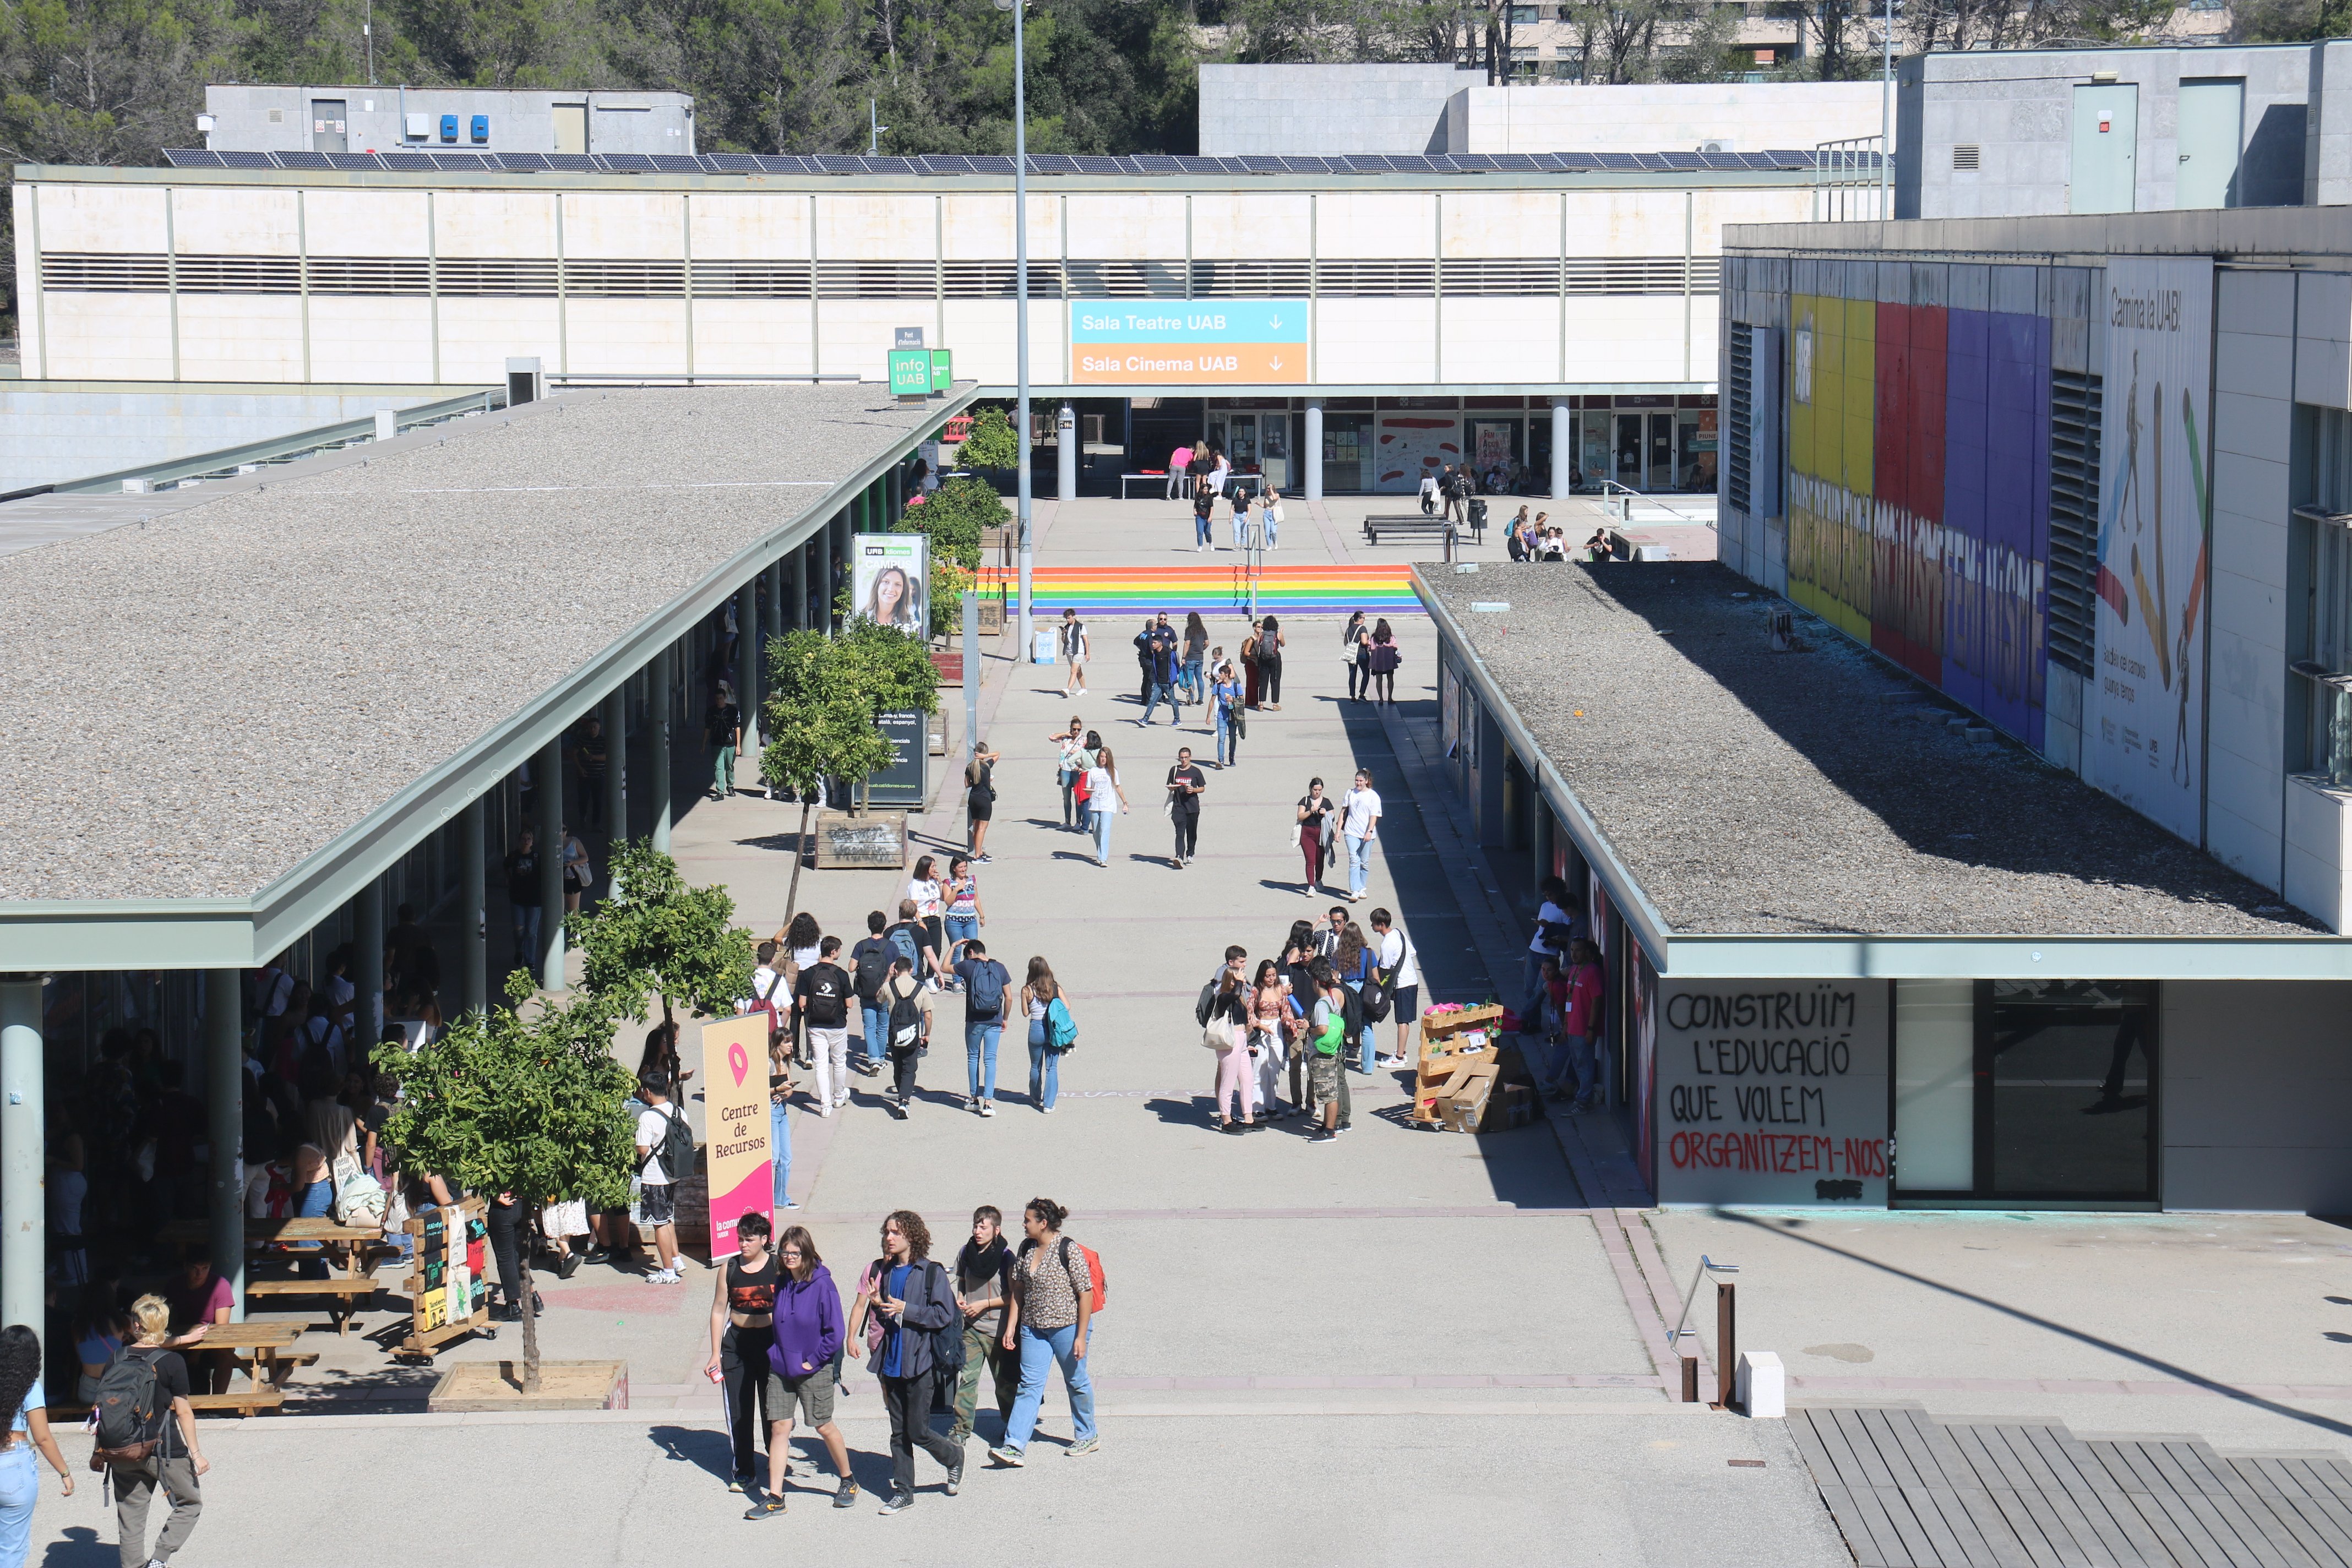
(1052,1309)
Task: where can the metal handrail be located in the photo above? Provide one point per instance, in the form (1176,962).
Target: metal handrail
(1643,496)
(1849,179)
(1706,1266)
(689,378)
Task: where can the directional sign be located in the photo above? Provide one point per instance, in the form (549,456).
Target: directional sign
(910,372)
(1142,342)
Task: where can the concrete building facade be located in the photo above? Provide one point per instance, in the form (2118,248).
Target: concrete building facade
(265,118)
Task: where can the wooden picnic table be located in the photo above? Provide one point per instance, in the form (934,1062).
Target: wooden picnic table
(318,1229)
(266,1349)
(345,1248)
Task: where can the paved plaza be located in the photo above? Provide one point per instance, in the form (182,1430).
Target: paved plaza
(1401,1348)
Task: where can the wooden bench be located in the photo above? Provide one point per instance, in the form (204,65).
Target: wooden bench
(249,1401)
(1412,525)
(350,1294)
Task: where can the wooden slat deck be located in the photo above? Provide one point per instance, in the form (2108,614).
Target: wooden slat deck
(1910,1492)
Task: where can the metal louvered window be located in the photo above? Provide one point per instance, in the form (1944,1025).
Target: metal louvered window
(2075,401)
(751,279)
(1967,157)
(625,280)
(1000,279)
(1376,279)
(369,275)
(1126,280)
(877,280)
(1740,411)
(1643,274)
(1251,280)
(493,277)
(239,274)
(1491,276)
(80,272)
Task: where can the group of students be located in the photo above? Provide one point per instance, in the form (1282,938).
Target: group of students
(1559,1021)
(779,1340)
(1312,1010)
(1538,539)
(1368,649)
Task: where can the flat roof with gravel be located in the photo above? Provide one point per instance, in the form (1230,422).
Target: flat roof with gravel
(197,703)
(1816,791)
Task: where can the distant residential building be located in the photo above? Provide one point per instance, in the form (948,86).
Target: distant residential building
(276,119)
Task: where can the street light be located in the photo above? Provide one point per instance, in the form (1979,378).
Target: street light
(1021,309)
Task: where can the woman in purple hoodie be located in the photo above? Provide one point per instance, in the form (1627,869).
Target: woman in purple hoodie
(808,1336)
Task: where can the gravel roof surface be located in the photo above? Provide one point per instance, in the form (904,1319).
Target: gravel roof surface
(1819,790)
(197,704)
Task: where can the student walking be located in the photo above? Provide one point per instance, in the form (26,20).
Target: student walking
(1382,660)
(1269,663)
(1104,799)
(1073,761)
(1313,835)
(1356,651)
(161,1454)
(1185,784)
(1072,636)
(28,1431)
(821,996)
(1054,1291)
(984,983)
(523,898)
(1249,652)
(1195,650)
(807,1335)
(984,1282)
(1228,695)
(742,1327)
(1052,1032)
(869,966)
(980,799)
(1359,824)
(964,914)
(722,731)
(930,906)
(1204,504)
(662,1136)
(913,1300)
(1228,1034)
(908,1007)
(1162,660)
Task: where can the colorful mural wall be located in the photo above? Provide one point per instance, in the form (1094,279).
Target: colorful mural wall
(1918,519)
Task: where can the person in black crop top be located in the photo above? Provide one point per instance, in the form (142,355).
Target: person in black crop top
(742,1325)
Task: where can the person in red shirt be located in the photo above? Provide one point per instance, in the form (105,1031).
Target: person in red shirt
(201,1299)
(1578,995)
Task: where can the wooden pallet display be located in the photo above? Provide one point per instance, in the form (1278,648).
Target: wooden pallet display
(1461,1083)
(448,1272)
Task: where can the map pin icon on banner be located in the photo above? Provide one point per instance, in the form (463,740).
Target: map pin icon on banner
(738,1059)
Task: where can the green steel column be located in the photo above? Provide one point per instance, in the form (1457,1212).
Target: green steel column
(658,759)
(616,763)
(367,970)
(474,906)
(225,1129)
(824,579)
(548,771)
(23,1238)
(746,661)
(800,587)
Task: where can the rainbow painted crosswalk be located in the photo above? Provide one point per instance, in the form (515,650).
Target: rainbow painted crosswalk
(1224,590)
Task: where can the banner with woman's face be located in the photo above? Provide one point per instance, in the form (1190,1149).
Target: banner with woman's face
(889,580)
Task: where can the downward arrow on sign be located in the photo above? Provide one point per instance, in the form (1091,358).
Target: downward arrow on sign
(1273,364)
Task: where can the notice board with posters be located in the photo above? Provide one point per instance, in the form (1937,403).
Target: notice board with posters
(1771,1093)
(2144,742)
(738,1167)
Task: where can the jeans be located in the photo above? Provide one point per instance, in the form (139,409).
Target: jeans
(1045,1067)
(1229,741)
(983,1350)
(1070,806)
(1188,832)
(980,1053)
(20,1489)
(877,1031)
(780,1148)
(961,928)
(722,770)
(830,1049)
(1038,1352)
(1272,529)
(1191,681)
(1360,862)
(1588,1066)
(1161,690)
(1240,526)
(1200,528)
(1366,1048)
(1102,834)
(526,930)
(908,1401)
(134,1488)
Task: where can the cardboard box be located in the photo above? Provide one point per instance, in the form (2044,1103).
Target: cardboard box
(1463,1107)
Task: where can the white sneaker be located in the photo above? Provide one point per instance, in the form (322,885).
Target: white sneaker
(678,1264)
(662,1277)
(824,1110)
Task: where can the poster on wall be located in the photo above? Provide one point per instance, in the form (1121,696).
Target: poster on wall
(736,1158)
(2145,744)
(1158,343)
(1771,1093)
(1412,445)
(890,578)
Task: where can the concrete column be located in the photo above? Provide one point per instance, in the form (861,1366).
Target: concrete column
(800,588)
(1563,448)
(225,1129)
(1066,452)
(658,759)
(474,906)
(616,763)
(24,1237)
(1312,448)
(367,969)
(1544,829)
(824,576)
(550,831)
(746,660)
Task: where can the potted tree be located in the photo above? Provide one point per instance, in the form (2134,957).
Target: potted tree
(655,935)
(826,694)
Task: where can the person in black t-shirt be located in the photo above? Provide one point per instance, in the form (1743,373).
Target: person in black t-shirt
(822,996)
(522,898)
(1186,782)
(723,727)
(178,1459)
(869,965)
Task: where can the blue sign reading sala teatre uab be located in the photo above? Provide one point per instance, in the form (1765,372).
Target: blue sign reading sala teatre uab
(1188,320)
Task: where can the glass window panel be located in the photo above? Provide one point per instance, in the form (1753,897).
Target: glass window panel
(1934,1085)
(2071,1069)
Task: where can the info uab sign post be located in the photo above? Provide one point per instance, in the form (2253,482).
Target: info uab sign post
(1147,341)
(1772,1092)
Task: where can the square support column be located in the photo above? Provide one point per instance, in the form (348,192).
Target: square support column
(24,1239)
(225,1129)
(549,771)
(659,783)
(1563,449)
(1314,449)
(616,764)
(367,968)
(800,587)
(824,576)
(474,904)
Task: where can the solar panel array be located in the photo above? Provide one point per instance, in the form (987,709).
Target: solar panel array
(422,161)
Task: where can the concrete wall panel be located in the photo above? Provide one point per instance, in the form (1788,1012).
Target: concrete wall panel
(240,337)
(876,227)
(622,225)
(2257,1096)
(355,339)
(495,224)
(368,223)
(477,336)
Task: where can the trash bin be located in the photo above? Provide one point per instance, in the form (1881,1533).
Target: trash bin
(1478,513)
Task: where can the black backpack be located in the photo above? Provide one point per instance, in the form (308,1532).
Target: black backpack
(675,1151)
(906,1021)
(873,969)
(1206,1006)
(1377,991)
(826,1007)
(129,1407)
(987,994)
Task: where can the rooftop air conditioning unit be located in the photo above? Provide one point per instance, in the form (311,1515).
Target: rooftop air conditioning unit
(1719,144)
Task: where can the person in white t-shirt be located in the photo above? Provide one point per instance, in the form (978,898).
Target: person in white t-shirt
(1359,823)
(1555,926)
(660,1202)
(1402,964)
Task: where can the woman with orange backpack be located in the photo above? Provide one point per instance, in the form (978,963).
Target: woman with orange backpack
(1056,1286)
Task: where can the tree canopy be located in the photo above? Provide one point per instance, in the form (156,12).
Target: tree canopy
(658,936)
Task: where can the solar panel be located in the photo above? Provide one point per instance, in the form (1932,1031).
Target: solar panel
(991,163)
(1365,163)
(1512,159)
(245,160)
(193,157)
(303,161)
(1259,163)
(936,164)
(1051,163)
(677,163)
(1097,163)
(463,161)
(730,162)
(1305,165)
(624,163)
(411,162)
(784,163)
(1446,163)
(1158,164)
(834,163)
(1613,160)
(523,163)
(571,162)
(1202,165)
(352,161)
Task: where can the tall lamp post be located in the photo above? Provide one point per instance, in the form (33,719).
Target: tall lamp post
(1021,310)
(1886,116)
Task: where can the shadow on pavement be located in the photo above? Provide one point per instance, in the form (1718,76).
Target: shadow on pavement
(81,1548)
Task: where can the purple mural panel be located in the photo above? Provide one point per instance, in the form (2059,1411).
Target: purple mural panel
(1966,465)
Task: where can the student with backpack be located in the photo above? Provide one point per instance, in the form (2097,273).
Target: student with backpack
(664,1157)
(822,997)
(869,966)
(914,1301)
(1326,1041)
(1057,1286)
(147,1437)
(910,939)
(984,983)
(907,1008)
(28,1430)
(1052,1032)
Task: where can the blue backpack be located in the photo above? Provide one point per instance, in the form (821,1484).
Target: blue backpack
(1060,1029)
(902,942)
(988,978)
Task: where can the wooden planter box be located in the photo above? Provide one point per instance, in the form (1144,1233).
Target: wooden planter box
(471,1386)
(876,841)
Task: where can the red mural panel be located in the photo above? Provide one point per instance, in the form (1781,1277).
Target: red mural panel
(1906,598)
